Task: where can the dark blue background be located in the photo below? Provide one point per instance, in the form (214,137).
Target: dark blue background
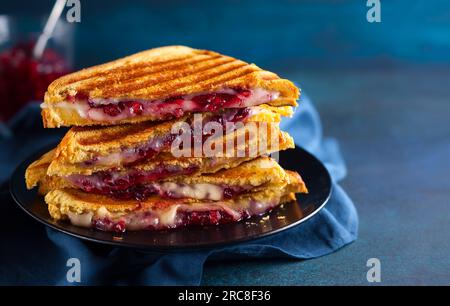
(270,33)
(382,89)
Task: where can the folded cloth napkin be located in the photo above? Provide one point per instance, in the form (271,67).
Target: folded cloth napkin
(33,254)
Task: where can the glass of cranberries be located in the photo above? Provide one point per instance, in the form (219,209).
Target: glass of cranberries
(24,78)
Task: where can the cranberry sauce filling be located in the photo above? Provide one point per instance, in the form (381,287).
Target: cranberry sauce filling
(107,182)
(112,110)
(134,155)
(140,192)
(174,107)
(229,115)
(107,225)
(180,215)
(147,221)
(208,217)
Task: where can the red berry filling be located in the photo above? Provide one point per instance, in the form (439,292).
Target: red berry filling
(139,192)
(136,108)
(121,190)
(184,218)
(213,102)
(231,192)
(112,182)
(132,156)
(107,225)
(119,227)
(24,78)
(208,217)
(209,214)
(112,109)
(173,107)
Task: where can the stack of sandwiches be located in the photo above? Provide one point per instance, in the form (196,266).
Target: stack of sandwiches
(165,138)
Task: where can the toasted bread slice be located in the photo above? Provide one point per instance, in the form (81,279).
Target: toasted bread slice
(104,213)
(120,145)
(70,175)
(153,79)
(61,174)
(36,173)
(252,175)
(120,148)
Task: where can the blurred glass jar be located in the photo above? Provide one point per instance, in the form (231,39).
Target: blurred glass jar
(24,78)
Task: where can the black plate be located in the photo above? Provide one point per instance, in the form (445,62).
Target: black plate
(313,172)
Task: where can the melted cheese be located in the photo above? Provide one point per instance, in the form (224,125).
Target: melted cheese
(83,220)
(81,108)
(110,159)
(102,212)
(167,217)
(130,155)
(159,107)
(196,191)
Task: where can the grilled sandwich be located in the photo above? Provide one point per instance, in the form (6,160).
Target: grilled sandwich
(161,84)
(213,186)
(230,195)
(54,170)
(87,149)
(164,138)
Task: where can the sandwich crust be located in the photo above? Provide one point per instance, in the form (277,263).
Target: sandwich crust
(61,202)
(84,143)
(257,173)
(36,173)
(158,74)
(71,153)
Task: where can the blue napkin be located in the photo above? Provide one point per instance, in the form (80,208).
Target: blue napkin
(33,254)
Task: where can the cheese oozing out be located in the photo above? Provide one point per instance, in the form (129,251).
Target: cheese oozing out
(105,182)
(176,215)
(171,190)
(115,109)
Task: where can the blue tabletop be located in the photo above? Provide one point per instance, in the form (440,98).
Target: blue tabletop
(394,132)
